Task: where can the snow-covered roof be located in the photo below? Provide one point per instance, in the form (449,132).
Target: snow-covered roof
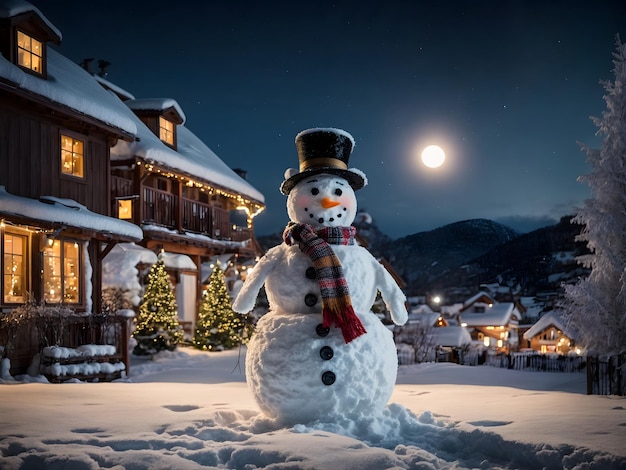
(421,309)
(451,336)
(193,158)
(476,297)
(113,87)
(155,104)
(451,310)
(11,8)
(423,317)
(70,85)
(133,253)
(177,261)
(65,212)
(551,318)
(499,314)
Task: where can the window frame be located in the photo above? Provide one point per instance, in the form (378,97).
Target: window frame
(26,262)
(42,58)
(62,275)
(64,133)
(165,132)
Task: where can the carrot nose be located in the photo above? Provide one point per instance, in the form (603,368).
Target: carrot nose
(327,203)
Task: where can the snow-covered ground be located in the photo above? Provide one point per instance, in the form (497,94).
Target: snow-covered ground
(190,409)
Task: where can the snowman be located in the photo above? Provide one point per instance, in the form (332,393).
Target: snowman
(320,353)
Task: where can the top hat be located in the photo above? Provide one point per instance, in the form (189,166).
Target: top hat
(327,151)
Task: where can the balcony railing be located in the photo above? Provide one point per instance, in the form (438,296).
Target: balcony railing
(162,208)
(159,207)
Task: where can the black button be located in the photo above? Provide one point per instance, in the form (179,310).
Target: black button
(310,273)
(322,330)
(310,300)
(327,353)
(328,378)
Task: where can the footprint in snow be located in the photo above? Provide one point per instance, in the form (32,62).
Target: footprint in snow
(181,408)
(489,423)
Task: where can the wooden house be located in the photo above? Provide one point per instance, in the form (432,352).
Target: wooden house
(84,167)
(57,126)
(494,325)
(191,206)
(550,334)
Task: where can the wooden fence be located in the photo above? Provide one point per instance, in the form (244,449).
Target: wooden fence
(29,334)
(533,362)
(606,375)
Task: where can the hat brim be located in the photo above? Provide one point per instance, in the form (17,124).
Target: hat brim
(355,180)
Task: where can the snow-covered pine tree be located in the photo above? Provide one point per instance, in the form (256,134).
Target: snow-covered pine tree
(157,323)
(596,305)
(218,326)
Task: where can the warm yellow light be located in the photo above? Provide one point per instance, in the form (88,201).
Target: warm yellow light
(125,209)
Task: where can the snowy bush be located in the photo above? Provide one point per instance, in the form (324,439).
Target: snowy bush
(420,337)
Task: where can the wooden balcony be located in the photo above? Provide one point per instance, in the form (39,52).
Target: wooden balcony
(168,210)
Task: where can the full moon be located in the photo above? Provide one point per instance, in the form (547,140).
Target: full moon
(433,156)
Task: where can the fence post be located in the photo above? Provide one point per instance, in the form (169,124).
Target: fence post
(621,383)
(590,366)
(124,342)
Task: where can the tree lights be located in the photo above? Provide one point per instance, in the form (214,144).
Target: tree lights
(218,327)
(157,324)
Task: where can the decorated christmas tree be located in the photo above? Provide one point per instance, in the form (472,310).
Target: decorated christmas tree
(157,324)
(218,326)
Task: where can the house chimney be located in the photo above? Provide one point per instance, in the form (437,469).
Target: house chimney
(241,172)
(103,65)
(86,64)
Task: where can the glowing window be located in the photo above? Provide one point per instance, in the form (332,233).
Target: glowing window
(29,52)
(125,209)
(14,268)
(166,130)
(72,156)
(62,272)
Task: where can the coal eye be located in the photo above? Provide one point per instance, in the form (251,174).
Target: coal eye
(315,191)
(338,192)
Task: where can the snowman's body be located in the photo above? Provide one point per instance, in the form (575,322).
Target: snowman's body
(298,371)
(290,356)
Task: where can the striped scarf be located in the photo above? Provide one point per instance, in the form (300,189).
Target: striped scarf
(336,304)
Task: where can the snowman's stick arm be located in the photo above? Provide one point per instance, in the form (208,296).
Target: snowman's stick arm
(392,295)
(252,285)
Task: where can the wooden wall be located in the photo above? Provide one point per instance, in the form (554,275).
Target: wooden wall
(30,156)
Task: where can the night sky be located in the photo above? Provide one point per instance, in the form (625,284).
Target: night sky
(507,88)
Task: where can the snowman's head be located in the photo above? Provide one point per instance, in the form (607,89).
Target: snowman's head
(322,200)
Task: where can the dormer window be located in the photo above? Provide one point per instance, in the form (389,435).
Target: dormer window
(29,53)
(166,131)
